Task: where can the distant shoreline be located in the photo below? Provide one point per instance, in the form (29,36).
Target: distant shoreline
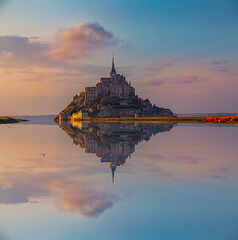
(8,120)
(144,119)
(201,119)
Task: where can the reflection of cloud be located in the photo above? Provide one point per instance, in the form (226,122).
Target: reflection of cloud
(223,170)
(153,166)
(163,165)
(221,173)
(160,173)
(74,41)
(20,192)
(71,197)
(220,177)
(22,183)
(184,159)
(188,159)
(155,156)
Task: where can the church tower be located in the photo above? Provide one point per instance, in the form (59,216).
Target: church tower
(113,71)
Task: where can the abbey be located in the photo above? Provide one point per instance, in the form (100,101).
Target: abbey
(113,86)
(112,97)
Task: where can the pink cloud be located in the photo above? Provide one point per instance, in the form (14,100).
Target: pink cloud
(220,62)
(155,82)
(23,52)
(159,66)
(187,79)
(79,40)
(220,65)
(80,200)
(178,80)
(6,55)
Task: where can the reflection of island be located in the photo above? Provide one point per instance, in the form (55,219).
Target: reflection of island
(112,142)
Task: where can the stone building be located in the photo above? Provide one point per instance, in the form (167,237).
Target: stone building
(113,86)
(91,95)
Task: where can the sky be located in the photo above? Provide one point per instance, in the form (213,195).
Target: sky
(182,55)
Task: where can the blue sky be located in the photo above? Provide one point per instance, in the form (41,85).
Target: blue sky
(158,28)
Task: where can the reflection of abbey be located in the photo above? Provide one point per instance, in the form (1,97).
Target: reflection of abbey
(113,86)
(114,142)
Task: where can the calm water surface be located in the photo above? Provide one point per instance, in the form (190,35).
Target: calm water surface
(118,181)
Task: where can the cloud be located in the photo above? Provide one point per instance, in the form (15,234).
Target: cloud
(177,80)
(68,43)
(223,69)
(155,82)
(80,200)
(221,65)
(153,70)
(220,62)
(22,50)
(164,72)
(6,55)
(159,66)
(187,79)
(79,40)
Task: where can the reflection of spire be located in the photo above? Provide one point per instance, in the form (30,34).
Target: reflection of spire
(113,143)
(113,168)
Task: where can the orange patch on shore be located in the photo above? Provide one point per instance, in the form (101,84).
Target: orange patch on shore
(222,119)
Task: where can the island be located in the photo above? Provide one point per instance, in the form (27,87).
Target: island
(113,98)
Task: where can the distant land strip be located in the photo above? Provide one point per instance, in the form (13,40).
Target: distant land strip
(6,120)
(146,119)
(211,119)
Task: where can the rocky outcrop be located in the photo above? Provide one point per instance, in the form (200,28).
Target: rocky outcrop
(114,108)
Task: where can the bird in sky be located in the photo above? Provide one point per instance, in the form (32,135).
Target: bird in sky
(43,154)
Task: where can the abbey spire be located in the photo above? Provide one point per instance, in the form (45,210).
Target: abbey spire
(113,71)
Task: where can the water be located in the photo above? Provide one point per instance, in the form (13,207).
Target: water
(118,181)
